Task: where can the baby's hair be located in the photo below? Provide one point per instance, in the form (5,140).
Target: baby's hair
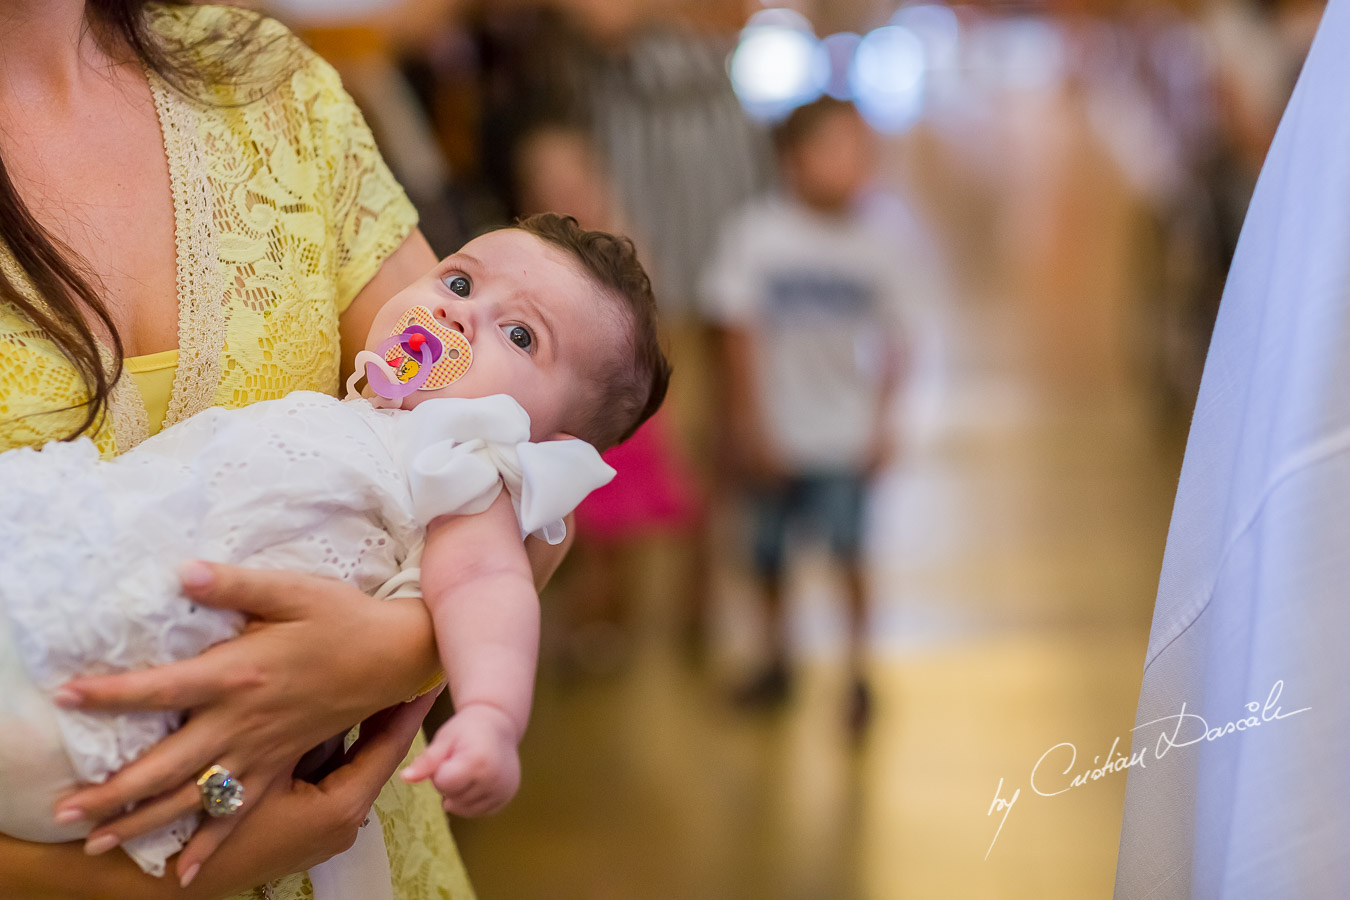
(633,387)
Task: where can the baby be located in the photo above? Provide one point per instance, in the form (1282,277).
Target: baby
(506,365)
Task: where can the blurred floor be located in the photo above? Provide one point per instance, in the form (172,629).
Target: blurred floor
(1017,547)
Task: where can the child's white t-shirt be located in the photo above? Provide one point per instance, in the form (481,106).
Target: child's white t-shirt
(823,297)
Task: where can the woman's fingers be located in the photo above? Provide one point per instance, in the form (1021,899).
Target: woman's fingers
(168,765)
(273,595)
(384,742)
(430,759)
(215,829)
(173,686)
(205,841)
(144,819)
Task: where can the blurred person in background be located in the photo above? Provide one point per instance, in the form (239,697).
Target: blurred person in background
(366,41)
(808,296)
(1254,51)
(655,494)
(647,86)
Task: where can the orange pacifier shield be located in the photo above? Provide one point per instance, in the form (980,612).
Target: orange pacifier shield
(450,360)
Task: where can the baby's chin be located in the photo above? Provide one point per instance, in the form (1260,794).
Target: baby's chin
(450,390)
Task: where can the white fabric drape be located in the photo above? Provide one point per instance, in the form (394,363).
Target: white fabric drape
(1255,590)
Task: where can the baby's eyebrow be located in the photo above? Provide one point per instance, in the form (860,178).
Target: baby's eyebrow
(463,258)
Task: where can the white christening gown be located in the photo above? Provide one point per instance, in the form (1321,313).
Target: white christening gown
(90,548)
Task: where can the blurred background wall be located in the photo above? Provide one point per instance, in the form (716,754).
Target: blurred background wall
(1063,182)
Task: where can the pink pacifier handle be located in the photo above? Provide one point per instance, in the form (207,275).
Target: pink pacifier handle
(389,388)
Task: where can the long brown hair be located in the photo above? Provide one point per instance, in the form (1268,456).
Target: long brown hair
(59,276)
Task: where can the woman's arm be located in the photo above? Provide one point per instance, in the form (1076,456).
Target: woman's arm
(288,829)
(402,267)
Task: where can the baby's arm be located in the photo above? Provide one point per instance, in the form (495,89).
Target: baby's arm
(477,582)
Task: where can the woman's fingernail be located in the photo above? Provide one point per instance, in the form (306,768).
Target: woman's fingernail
(195,574)
(101,844)
(66,698)
(69,814)
(189,874)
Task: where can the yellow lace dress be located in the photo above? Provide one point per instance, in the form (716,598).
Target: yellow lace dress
(283,211)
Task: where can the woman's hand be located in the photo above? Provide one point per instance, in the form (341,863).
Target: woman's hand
(290,828)
(317,657)
(298,825)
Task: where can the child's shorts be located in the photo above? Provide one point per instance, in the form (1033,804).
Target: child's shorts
(830,505)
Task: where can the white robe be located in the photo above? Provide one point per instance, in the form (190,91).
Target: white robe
(1255,588)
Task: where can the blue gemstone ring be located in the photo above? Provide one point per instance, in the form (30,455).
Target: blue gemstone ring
(222,795)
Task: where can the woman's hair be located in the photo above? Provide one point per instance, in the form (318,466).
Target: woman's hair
(63,282)
(633,388)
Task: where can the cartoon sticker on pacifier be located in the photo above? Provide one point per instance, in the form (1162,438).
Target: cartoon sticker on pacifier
(451,353)
(423,354)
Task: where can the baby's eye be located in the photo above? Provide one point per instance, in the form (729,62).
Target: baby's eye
(519,335)
(458,284)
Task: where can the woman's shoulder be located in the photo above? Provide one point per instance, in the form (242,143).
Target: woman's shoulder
(216,28)
(244,54)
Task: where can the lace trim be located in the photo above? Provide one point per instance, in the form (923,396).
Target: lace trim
(130,424)
(201,289)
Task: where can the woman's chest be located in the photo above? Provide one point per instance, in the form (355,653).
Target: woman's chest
(208,233)
(95,176)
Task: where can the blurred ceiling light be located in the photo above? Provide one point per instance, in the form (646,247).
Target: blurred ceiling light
(839,49)
(887,78)
(778,65)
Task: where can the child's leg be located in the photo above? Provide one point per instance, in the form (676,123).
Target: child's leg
(772,510)
(838,501)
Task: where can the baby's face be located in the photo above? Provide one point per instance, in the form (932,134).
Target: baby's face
(536,325)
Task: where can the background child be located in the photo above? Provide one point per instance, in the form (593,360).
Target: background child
(807,296)
(551,330)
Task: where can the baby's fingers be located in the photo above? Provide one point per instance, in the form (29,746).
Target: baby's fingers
(466,792)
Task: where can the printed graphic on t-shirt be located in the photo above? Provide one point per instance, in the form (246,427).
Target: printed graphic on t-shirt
(815,292)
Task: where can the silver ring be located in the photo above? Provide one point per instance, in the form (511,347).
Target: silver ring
(222,794)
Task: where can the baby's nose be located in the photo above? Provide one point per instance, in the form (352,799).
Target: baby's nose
(454,316)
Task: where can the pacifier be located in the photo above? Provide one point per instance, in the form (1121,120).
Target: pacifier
(421,355)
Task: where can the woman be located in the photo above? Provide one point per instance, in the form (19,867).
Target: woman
(171,241)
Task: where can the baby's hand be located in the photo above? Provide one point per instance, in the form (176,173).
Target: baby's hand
(472,761)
